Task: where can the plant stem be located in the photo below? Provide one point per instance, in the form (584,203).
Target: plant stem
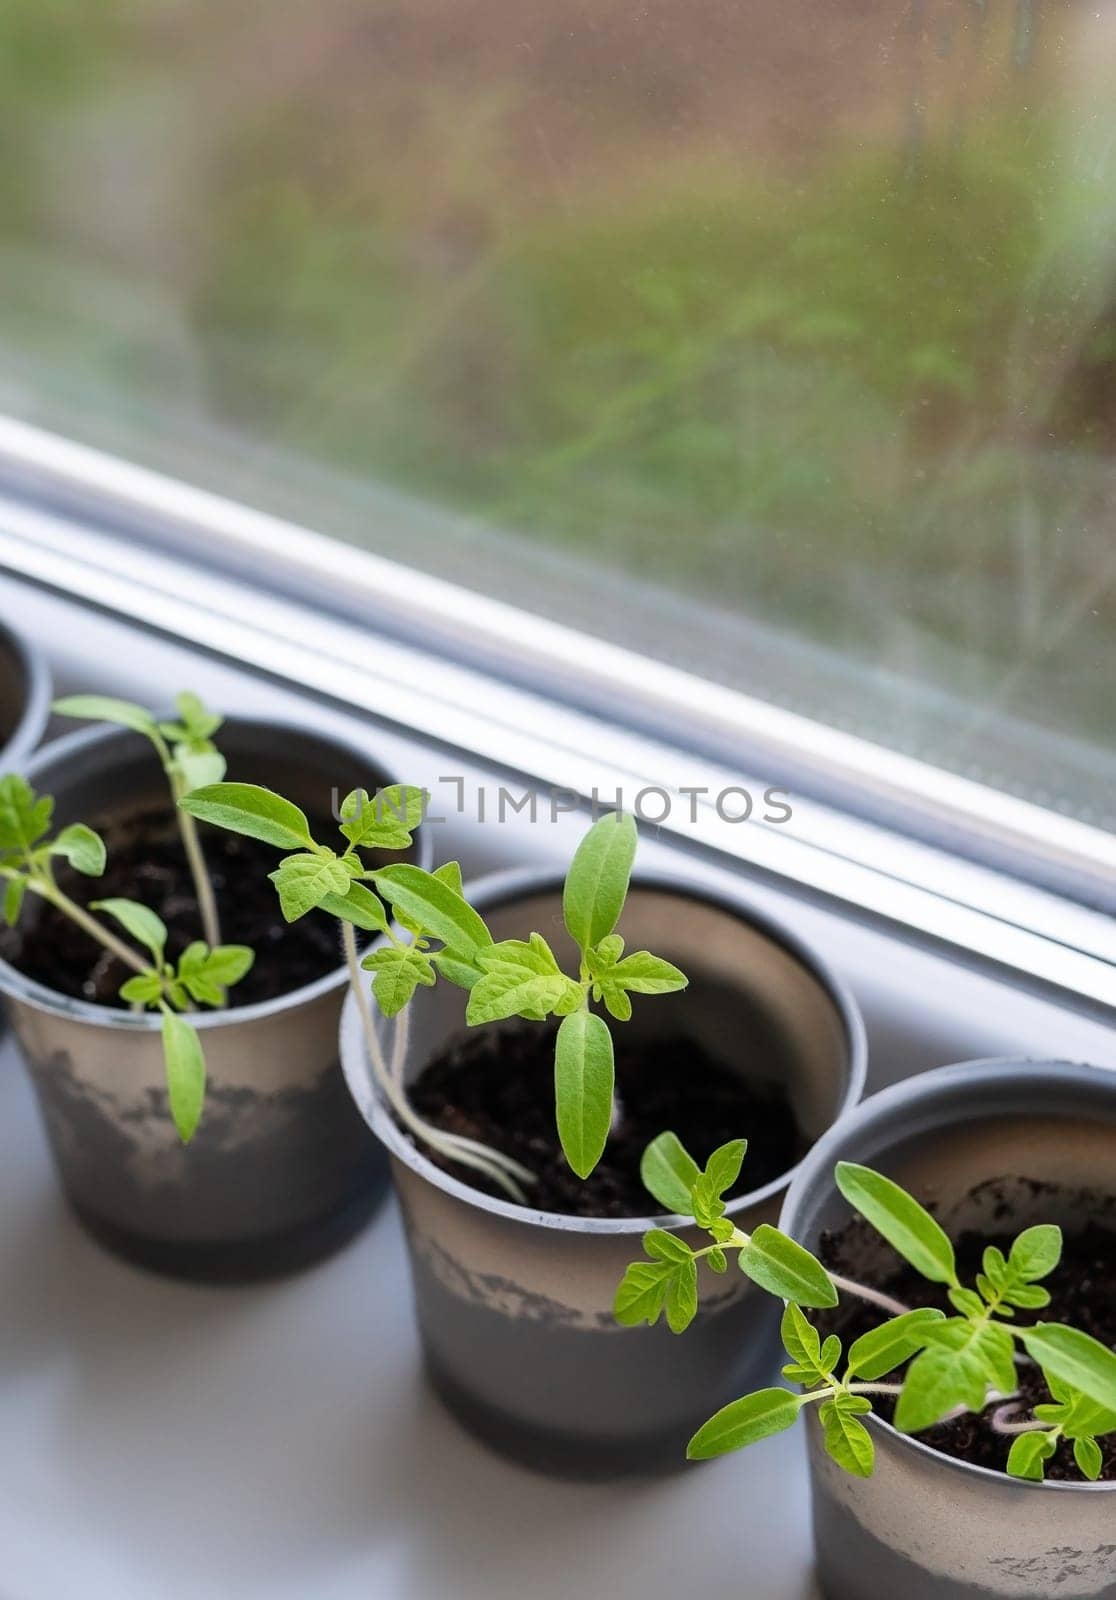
(1001,1425)
(875,1297)
(399,1044)
(498,1168)
(833,1389)
(195,858)
(89,924)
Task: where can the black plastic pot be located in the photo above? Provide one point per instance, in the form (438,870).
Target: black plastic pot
(969,1139)
(281,1171)
(24,699)
(514,1306)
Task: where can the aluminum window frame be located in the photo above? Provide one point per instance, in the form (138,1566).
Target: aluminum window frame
(524,694)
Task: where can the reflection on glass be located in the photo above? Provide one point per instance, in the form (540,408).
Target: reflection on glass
(799,320)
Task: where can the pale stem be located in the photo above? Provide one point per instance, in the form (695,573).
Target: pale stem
(1000,1423)
(896,1389)
(399,1044)
(875,1297)
(89,924)
(498,1168)
(832,1390)
(195,859)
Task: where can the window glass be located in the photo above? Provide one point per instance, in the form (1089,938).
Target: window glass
(778,340)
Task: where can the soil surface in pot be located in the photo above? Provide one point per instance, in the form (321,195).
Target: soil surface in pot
(498,1086)
(146,863)
(1083,1294)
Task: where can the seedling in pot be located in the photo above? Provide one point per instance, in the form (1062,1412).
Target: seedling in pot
(668,1280)
(933,1366)
(438,934)
(201,976)
(189,758)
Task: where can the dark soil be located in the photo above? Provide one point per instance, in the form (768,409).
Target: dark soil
(498,1086)
(146,863)
(1083,1294)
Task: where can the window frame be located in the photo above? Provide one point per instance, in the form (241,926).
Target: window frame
(477,674)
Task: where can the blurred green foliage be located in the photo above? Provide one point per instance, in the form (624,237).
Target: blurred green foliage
(877,384)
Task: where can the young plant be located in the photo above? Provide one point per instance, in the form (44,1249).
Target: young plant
(953,1364)
(525,980)
(441,935)
(201,975)
(668,1281)
(1070,1416)
(189,759)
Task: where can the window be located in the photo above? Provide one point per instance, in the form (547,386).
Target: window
(776,341)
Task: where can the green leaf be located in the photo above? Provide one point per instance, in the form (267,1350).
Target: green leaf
(185,1063)
(14,891)
(143,925)
(384,821)
(642,1293)
(995,1266)
(206,974)
(82,848)
(708,1208)
(965,1301)
(177,994)
(668,1280)
(782,1267)
(745,1422)
(883,1349)
(198,721)
(436,907)
(801,1339)
(682,1296)
(847,1440)
(532,958)
(669,1173)
(604,956)
(1027,1454)
(398,974)
(304,881)
(456,969)
(24,816)
(615,999)
(1077,1416)
(459,969)
(988,1343)
(199,769)
(1036,1252)
(1090,1461)
(1075,1359)
(830,1353)
(145,989)
(643,973)
(723,1167)
(520,979)
(597,882)
(957,1368)
(1027,1296)
(449,873)
(508,993)
(105,708)
(583,1086)
(665,1246)
(905,1224)
(256,813)
(359,906)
